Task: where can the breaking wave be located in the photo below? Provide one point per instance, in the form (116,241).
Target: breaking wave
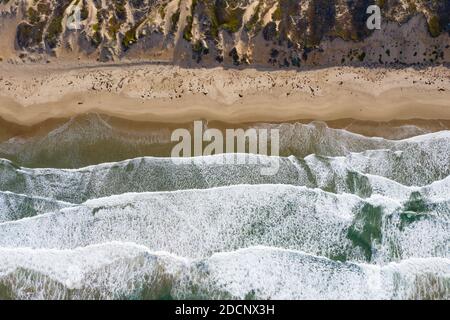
(128,271)
(94,139)
(362,174)
(197,223)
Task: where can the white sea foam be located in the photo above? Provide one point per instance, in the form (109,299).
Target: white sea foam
(351,198)
(196,223)
(17,206)
(126,270)
(352,174)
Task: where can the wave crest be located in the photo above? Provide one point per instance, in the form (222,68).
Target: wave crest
(121,270)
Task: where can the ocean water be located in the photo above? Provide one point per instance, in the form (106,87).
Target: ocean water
(91,208)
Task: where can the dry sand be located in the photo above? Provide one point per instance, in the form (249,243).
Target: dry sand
(30,94)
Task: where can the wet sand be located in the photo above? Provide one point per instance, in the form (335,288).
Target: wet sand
(394,130)
(31,94)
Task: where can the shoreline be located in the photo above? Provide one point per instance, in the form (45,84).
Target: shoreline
(391,130)
(170,94)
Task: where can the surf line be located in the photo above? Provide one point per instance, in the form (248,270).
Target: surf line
(212,141)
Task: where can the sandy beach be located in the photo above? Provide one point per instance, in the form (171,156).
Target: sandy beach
(30,94)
